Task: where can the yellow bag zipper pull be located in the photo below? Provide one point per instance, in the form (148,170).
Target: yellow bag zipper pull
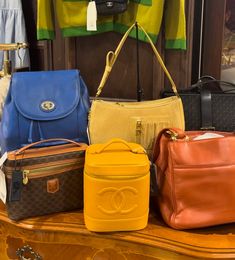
(138,131)
(25,177)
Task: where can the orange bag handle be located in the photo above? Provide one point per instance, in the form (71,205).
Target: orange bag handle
(46,141)
(172,133)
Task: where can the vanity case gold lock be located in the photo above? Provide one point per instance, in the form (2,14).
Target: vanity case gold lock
(25,177)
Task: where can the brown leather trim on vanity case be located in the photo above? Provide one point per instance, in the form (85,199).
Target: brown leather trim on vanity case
(53,185)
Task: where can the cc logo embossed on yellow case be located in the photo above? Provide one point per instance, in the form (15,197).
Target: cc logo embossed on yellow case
(118,200)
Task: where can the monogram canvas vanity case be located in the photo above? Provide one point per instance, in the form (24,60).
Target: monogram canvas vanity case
(44,180)
(116,186)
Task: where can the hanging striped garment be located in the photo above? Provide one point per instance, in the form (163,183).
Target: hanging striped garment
(71,15)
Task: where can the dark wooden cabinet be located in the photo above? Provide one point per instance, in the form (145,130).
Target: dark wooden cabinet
(88,55)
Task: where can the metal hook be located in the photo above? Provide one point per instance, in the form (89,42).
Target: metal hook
(18,54)
(6,47)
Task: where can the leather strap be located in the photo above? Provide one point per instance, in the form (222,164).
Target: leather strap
(139,89)
(112,56)
(46,141)
(172,133)
(206,110)
(203,84)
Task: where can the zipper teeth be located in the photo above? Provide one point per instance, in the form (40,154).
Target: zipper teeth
(47,171)
(197,166)
(134,106)
(44,165)
(57,158)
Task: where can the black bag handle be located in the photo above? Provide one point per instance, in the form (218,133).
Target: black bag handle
(138,86)
(209,79)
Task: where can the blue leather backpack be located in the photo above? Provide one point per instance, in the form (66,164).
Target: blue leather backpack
(43,105)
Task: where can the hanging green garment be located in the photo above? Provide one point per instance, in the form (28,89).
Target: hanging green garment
(71,15)
(150,17)
(143,2)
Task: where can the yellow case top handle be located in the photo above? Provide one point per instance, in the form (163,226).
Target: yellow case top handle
(139,150)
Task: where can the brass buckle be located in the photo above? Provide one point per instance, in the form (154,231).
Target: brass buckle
(173,135)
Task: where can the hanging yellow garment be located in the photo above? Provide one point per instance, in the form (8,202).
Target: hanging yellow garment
(71,15)
(150,17)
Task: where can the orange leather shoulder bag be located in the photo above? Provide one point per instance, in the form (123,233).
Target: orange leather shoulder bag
(195,177)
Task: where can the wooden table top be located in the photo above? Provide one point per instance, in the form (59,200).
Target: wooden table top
(218,241)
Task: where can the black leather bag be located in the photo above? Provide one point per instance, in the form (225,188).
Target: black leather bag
(208,105)
(110,7)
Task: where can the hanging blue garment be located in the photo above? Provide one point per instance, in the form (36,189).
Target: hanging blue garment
(12,30)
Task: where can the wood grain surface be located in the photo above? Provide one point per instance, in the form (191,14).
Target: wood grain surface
(64,236)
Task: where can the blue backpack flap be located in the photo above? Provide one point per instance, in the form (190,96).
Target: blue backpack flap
(43,105)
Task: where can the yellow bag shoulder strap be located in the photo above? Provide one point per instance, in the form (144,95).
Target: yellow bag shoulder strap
(112,56)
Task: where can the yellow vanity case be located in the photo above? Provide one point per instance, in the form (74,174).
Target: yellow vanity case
(116,186)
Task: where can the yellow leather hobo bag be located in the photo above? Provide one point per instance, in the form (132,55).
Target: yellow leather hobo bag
(137,122)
